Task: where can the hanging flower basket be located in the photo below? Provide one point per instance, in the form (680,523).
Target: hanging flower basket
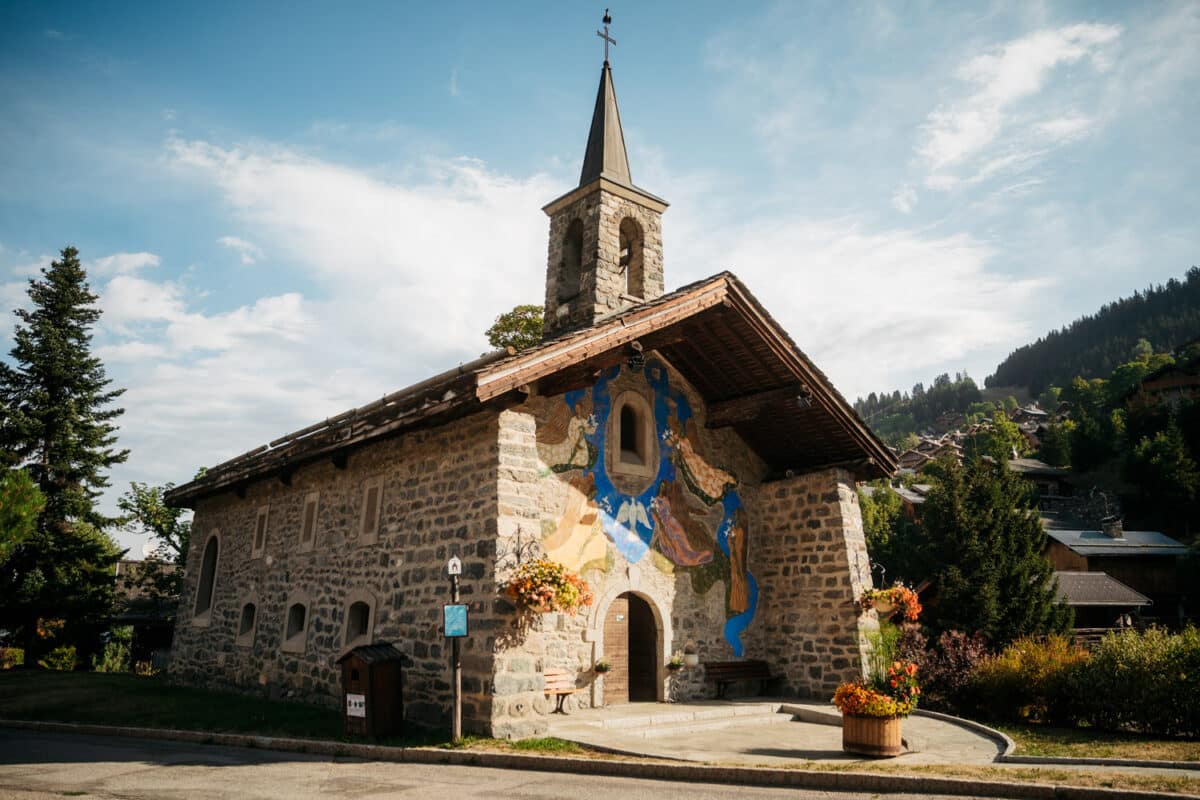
(543,586)
(602,666)
(896,600)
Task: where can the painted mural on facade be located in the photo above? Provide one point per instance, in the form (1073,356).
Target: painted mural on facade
(663,522)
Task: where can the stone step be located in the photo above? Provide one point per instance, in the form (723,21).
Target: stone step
(699,726)
(819,713)
(667,716)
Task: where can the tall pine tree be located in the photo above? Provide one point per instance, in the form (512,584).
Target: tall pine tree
(56,421)
(982,546)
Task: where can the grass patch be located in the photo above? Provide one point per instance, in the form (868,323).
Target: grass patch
(549,745)
(1091,778)
(144,702)
(1038,740)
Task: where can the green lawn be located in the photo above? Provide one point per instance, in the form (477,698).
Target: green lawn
(123,699)
(1037,740)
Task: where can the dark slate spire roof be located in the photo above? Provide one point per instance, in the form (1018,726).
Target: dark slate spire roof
(605,155)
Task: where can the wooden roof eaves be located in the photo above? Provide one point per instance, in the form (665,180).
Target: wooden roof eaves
(879,454)
(553,356)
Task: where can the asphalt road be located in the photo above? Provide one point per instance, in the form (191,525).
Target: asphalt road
(45,765)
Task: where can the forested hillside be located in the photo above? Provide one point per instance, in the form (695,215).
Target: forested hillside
(1092,346)
(895,415)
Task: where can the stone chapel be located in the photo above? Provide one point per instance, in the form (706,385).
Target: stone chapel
(677,449)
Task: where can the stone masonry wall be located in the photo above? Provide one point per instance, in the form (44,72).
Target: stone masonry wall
(811,563)
(602,281)
(438,500)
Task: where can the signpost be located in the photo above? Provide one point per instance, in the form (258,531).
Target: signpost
(454,623)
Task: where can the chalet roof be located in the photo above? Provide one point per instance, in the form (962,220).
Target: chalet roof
(1096,589)
(909,496)
(1034,467)
(751,374)
(1131,543)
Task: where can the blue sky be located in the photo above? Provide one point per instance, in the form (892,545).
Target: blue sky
(290,209)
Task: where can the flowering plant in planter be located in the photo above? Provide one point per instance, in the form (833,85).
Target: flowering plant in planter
(898,600)
(895,695)
(676,662)
(602,666)
(543,586)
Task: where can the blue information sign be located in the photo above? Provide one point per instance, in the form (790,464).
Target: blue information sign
(454,618)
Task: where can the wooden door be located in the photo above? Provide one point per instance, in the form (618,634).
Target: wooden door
(616,650)
(631,646)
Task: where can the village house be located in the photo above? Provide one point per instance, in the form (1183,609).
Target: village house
(676,449)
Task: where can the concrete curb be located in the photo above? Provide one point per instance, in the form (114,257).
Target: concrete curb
(1008,755)
(881,783)
(1005,741)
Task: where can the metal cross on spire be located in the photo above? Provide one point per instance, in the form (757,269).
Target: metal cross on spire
(607,39)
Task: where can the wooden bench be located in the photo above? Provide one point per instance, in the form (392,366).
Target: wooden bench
(561,684)
(727,672)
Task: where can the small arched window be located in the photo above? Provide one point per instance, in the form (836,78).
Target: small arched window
(296,627)
(360,619)
(571,268)
(632,443)
(208,578)
(357,619)
(632,447)
(631,261)
(247,623)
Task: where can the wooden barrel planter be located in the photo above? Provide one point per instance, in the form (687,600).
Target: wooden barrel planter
(872,736)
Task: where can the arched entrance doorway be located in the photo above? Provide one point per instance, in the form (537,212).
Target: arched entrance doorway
(631,646)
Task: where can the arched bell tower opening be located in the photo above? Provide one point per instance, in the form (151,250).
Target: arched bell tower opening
(631,261)
(570,268)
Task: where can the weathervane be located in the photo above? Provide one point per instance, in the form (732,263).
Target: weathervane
(607,39)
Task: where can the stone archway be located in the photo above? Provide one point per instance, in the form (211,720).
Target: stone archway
(652,640)
(631,646)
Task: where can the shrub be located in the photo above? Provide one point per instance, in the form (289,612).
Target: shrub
(11,657)
(1029,680)
(61,658)
(115,657)
(947,669)
(1147,681)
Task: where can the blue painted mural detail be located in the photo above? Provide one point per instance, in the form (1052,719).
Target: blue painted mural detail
(630,521)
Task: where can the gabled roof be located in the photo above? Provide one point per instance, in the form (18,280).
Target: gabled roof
(750,373)
(1032,466)
(1131,543)
(1096,589)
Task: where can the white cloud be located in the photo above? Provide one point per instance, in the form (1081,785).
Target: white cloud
(123,263)
(995,110)
(904,199)
(870,306)
(248,251)
(454,83)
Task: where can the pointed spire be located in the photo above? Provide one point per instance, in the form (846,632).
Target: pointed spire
(605,155)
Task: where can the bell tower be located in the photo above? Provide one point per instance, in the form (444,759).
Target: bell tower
(605,235)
